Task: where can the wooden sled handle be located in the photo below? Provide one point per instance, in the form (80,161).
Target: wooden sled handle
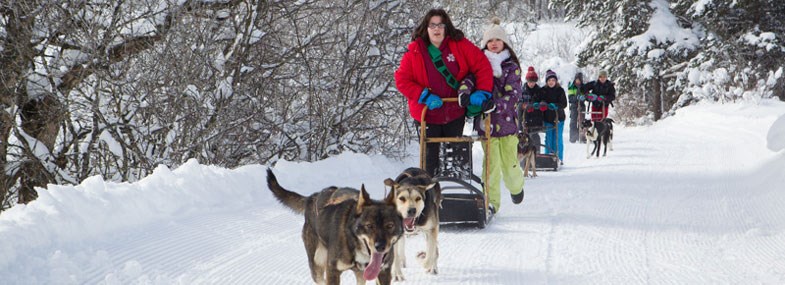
(487,140)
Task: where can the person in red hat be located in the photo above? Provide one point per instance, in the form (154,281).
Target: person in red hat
(552,101)
(439,57)
(532,117)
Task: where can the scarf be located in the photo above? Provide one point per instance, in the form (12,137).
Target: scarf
(496,60)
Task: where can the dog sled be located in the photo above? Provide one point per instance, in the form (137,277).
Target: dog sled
(464,195)
(585,113)
(533,129)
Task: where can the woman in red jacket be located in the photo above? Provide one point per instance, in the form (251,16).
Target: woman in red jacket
(439,57)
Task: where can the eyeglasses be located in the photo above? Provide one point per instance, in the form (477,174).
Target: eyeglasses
(436,26)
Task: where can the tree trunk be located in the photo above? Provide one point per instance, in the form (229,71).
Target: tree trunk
(6,121)
(656,103)
(16,59)
(40,119)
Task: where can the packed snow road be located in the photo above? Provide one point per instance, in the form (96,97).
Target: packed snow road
(695,199)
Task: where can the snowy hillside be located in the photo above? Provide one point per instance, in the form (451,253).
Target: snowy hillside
(695,199)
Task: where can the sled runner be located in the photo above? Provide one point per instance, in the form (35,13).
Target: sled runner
(464,196)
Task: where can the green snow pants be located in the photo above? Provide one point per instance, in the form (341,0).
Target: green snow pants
(503,164)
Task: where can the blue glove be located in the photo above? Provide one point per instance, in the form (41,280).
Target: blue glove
(591,97)
(429,99)
(536,105)
(581,97)
(478,97)
(552,106)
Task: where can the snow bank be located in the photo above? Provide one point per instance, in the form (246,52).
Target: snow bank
(776,136)
(63,214)
(204,224)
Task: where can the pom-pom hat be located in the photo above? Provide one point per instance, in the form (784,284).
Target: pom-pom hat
(494,31)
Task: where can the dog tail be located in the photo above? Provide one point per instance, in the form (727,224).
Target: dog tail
(290,199)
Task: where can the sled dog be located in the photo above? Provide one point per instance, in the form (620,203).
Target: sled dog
(345,230)
(598,133)
(527,153)
(417,198)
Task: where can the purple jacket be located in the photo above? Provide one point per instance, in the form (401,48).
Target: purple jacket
(506,94)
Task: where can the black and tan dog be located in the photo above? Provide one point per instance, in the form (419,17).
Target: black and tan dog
(345,230)
(598,133)
(418,198)
(527,153)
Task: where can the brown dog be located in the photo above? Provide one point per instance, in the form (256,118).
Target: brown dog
(345,230)
(417,198)
(527,152)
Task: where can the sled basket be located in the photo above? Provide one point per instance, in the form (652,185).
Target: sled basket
(547,162)
(463,201)
(456,160)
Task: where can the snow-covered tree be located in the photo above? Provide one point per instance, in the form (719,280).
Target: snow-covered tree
(116,88)
(64,67)
(664,55)
(742,54)
(640,43)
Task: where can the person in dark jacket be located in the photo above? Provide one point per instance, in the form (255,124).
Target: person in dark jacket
(533,117)
(553,101)
(574,92)
(601,94)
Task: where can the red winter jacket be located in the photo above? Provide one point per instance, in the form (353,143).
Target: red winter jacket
(411,78)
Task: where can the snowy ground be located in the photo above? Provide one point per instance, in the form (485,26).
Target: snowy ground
(694,199)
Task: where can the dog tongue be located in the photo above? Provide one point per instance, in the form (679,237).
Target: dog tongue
(374,267)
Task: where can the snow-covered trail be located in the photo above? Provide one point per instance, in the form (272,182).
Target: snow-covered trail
(696,198)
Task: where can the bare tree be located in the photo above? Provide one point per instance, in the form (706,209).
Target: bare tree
(53,48)
(116,88)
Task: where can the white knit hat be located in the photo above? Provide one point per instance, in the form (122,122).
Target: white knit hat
(494,31)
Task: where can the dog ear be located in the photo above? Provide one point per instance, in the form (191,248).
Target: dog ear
(364,199)
(390,199)
(391,183)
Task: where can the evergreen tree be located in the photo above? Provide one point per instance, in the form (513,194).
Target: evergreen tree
(742,50)
(665,55)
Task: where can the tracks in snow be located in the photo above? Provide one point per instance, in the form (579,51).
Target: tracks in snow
(653,211)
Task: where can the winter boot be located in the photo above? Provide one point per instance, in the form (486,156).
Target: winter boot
(517,198)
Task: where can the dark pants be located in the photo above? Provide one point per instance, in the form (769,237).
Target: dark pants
(574,122)
(451,129)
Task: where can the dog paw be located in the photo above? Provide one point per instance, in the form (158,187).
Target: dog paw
(432,271)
